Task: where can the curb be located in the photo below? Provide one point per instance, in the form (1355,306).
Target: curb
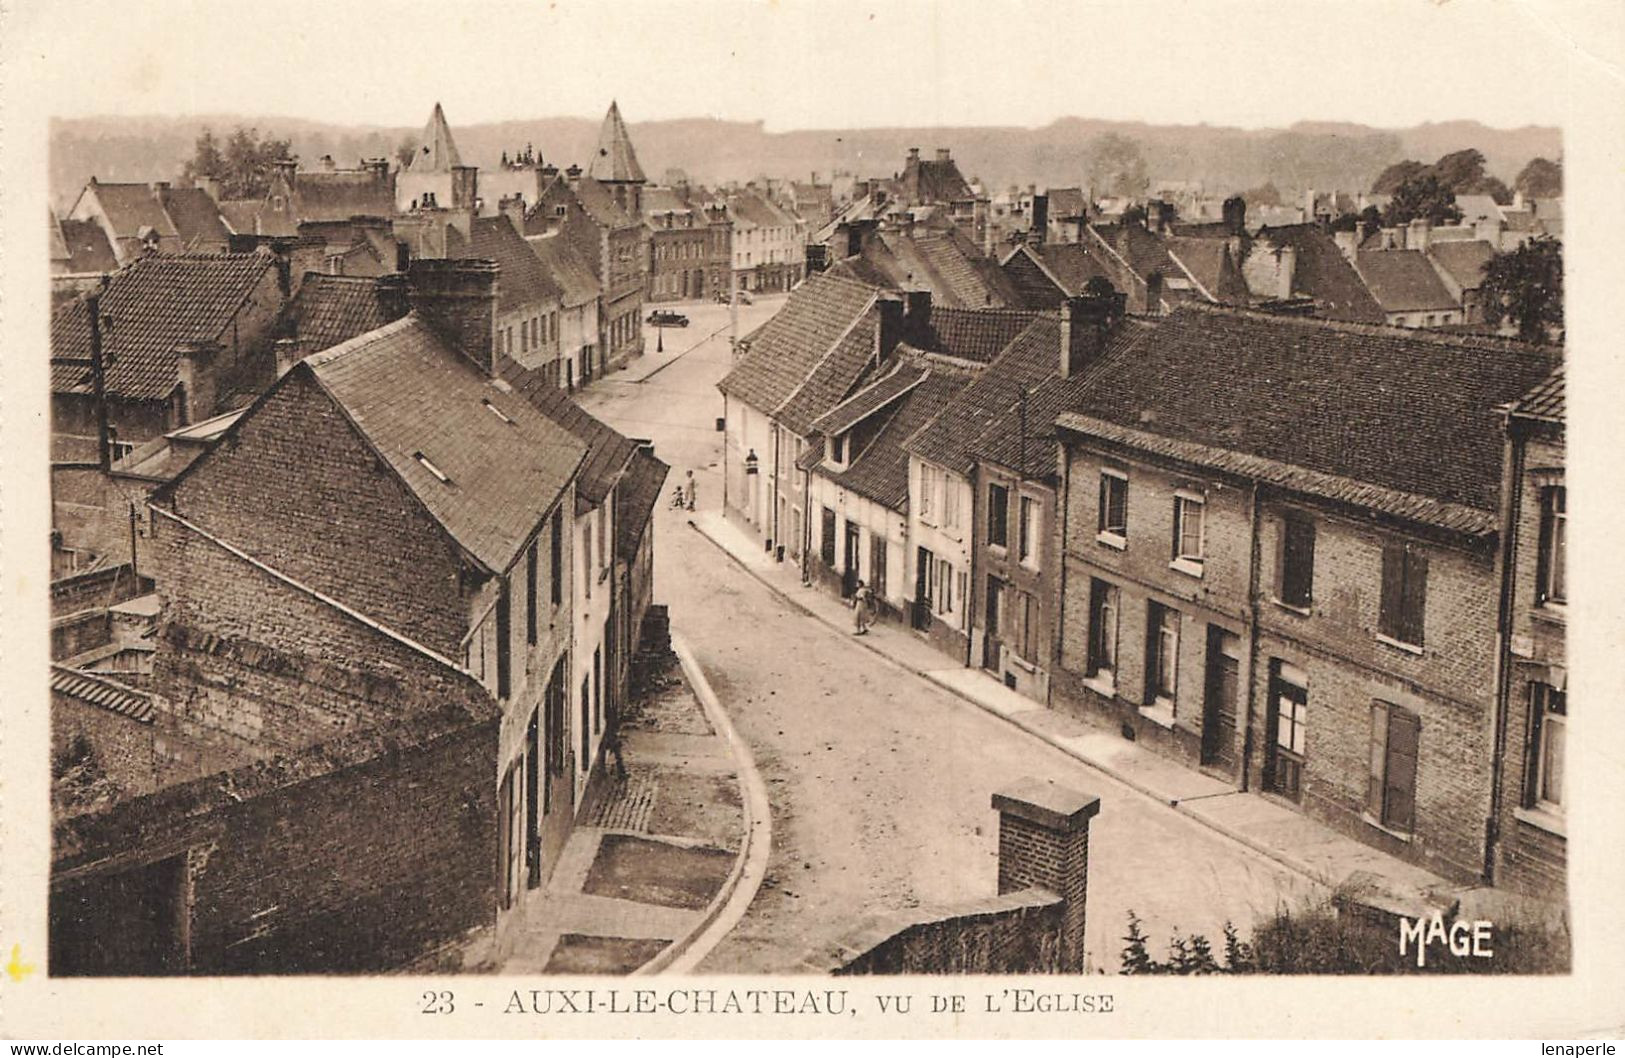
(739,889)
(1290,863)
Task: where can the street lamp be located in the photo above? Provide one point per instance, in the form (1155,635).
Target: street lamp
(660,338)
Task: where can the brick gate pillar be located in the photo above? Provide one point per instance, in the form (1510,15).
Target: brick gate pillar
(1044,842)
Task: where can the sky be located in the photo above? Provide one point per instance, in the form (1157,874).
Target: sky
(797,64)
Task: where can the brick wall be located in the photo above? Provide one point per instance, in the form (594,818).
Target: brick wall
(1014,933)
(300,491)
(1447,684)
(123,747)
(1035,577)
(354,858)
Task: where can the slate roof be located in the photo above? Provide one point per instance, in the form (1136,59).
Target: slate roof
(93,688)
(1066,202)
(131,207)
(406,392)
(86,246)
(1400,420)
(636,499)
(195,216)
(1403,281)
(614,158)
(880,471)
(437,150)
(155,303)
(572,275)
(786,349)
(608,452)
(241,214)
(752,210)
(1207,262)
(1322,272)
(977,335)
(522,279)
(942,182)
(1463,262)
(891,386)
(601,206)
(323,196)
(332,309)
(1546,401)
(1072,264)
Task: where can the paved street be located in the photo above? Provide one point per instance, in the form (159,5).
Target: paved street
(880,780)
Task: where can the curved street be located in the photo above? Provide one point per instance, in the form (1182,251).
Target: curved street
(880,781)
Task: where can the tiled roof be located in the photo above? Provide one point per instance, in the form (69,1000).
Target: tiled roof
(568,271)
(154,303)
(1546,401)
(1024,439)
(436,150)
(87,247)
(1207,262)
(615,159)
(942,182)
(1397,411)
(331,309)
(1463,261)
(787,348)
(93,688)
(974,280)
(521,277)
(407,393)
(872,398)
(1072,264)
(880,471)
(977,335)
(831,380)
(322,196)
(1322,272)
(635,501)
(1066,202)
(607,450)
(195,216)
(131,207)
(749,209)
(1402,280)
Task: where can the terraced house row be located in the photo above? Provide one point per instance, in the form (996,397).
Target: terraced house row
(1321,560)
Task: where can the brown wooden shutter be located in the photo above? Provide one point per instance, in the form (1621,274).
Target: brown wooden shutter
(1298,565)
(1393,586)
(1378,776)
(1543,571)
(1531,744)
(1415,595)
(1105,504)
(1404,738)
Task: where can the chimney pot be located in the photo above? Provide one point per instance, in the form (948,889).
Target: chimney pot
(458,299)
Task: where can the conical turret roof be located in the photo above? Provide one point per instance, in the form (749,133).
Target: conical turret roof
(615,161)
(437,151)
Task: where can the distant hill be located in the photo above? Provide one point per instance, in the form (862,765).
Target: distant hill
(1322,155)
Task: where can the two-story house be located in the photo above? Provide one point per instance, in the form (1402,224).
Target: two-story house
(579,298)
(585,212)
(1531,835)
(1280,563)
(395,477)
(530,305)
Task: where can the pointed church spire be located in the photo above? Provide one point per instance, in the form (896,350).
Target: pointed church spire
(614,161)
(437,151)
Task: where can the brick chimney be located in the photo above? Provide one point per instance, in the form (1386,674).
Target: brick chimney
(1420,234)
(378,168)
(289,351)
(1040,222)
(572,175)
(195,371)
(1086,321)
(513,207)
(1044,844)
(393,292)
(943,155)
(458,299)
(893,311)
(1235,215)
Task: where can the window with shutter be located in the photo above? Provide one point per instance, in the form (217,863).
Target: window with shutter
(1551,583)
(1391,789)
(998,515)
(1113,504)
(531,602)
(1404,594)
(1297,561)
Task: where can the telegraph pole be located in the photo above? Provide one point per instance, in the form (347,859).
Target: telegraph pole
(104,454)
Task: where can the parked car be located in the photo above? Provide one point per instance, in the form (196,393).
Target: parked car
(744,297)
(667,318)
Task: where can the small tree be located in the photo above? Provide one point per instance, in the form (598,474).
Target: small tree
(243,166)
(1388,181)
(1422,196)
(405,150)
(1266,194)
(1116,166)
(1526,287)
(1136,957)
(1541,178)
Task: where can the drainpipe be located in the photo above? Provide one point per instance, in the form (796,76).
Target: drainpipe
(725,457)
(1064,499)
(1511,501)
(806,525)
(976,579)
(104,442)
(773,496)
(1254,577)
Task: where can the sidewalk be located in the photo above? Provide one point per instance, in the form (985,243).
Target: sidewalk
(650,854)
(1286,837)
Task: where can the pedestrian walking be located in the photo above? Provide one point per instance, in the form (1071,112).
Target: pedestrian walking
(689,488)
(612,748)
(678,500)
(863,602)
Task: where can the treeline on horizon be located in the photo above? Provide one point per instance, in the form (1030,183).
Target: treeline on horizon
(1321,156)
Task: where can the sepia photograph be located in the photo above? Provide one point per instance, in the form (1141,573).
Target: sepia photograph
(574,496)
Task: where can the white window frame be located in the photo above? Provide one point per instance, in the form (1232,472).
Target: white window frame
(1028,536)
(928,488)
(1184,499)
(1105,534)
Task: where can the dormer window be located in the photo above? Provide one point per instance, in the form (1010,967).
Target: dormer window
(837,449)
